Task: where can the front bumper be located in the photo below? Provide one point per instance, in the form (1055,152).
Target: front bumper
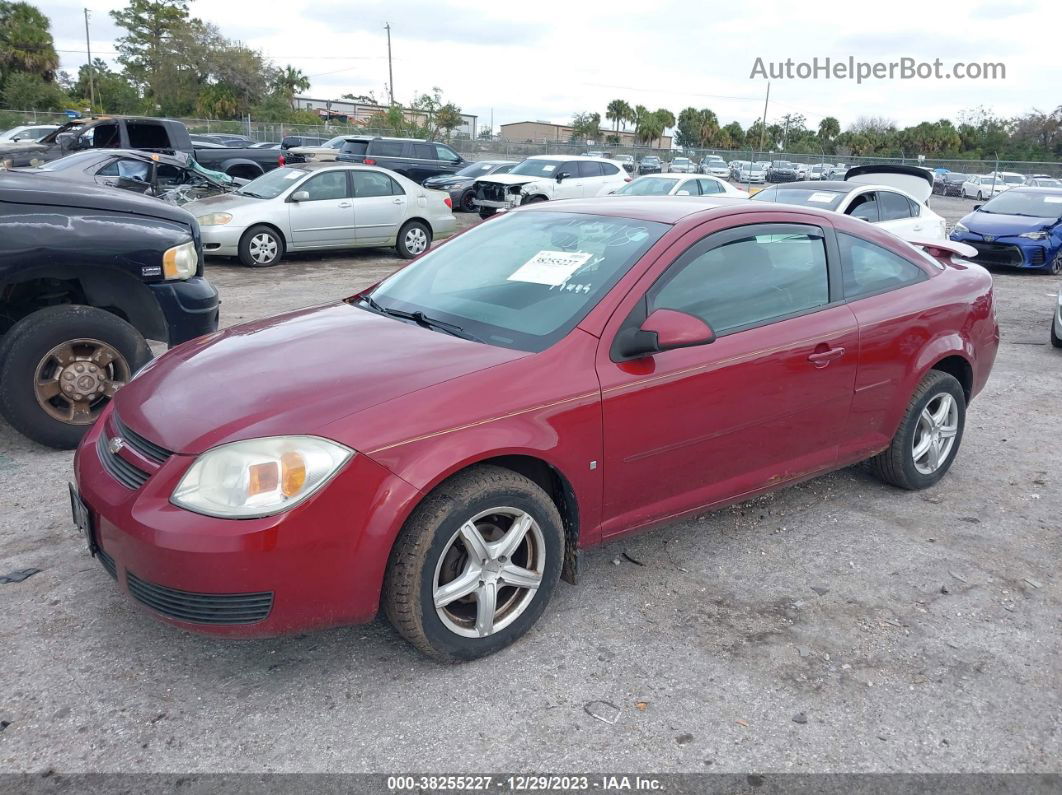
(191,308)
(221,241)
(320,564)
(1011,252)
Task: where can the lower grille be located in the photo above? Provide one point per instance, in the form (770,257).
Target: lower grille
(122,471)
(107,562)
(997,253)
(201,608)
(1037,256)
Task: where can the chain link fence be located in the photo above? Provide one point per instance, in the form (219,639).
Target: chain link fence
(502,149)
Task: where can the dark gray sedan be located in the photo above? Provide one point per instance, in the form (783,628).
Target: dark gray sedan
(460,184)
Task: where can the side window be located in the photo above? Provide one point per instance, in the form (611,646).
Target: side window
(868,268)
(102,136)
(609,170)
(373,183)
(569,169)
(691,187)
(864,207)
(329,185)
(503,169)
(893,205)
(129,169)
(424,151)
(387,148)
(446,154)
(710,186)
(914,207)
(147,135)
(588,168)
(748,281)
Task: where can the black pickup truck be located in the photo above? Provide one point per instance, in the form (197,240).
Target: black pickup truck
(88,273)
(134,132)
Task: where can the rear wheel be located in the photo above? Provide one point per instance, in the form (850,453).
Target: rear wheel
(468,201)
(413,239)
(261,247)
(487,212)
(475,566)
(980,196)
(928,439)
(60,366)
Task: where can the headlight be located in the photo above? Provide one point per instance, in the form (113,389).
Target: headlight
(258,477)
(1041,235)
(959,227)
(214,219)
(180,262)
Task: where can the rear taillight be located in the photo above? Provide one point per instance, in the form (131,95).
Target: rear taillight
(628,179)
(281,161)
(448,202)
(369,161)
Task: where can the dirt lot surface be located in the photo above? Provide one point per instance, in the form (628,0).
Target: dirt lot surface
(836,625)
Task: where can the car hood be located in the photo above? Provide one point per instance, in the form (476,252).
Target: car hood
(1003,225)
(444,181)
(226,202)
(292,374)
(510,179)
(914,181)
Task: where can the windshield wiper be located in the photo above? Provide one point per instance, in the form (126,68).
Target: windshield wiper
(249,193)
(420,319)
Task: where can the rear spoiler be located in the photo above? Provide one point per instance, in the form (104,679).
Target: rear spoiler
(938,248)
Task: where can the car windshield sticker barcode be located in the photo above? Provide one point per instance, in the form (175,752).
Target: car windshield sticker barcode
(551,268)
(824,198)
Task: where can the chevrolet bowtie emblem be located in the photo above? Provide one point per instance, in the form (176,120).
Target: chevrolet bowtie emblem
(116,444)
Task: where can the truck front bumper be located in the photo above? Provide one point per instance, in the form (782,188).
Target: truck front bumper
(191,308)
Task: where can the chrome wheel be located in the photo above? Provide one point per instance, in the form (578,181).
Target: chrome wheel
(934,436)
(1056,264)
(74,380)
(416,240)
(263,248)
(489,572)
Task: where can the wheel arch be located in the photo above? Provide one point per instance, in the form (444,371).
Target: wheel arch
(274,227)
(958,366)
(241,167)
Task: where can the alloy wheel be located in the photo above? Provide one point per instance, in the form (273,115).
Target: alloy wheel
(74,380)
(263,248)
(489,572)
(1056,264)
(416,240)
(935,433)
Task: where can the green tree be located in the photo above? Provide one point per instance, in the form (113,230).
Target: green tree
(448,118)
(697,128)
(114,94)
(27,91)
(486,134)
(665,117)
(618,112)
(586,127)
(289,81)
(829,128)
(26,44)
(153,29)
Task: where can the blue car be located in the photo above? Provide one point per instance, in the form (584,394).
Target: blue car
(1021,228)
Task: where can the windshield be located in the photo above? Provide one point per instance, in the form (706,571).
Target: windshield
(537,274)
(475,169)
(808,197)
(1019,202)
(651,160)
(1013,179)
(682,161)
(537,168)
(334,143)
(1048,183)
(76,160)
(647,186)
(272,184)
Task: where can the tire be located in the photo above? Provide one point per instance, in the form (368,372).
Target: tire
(414,238)
(48,348)
(261,247)
(980,197)
(1054,267)
(487,212)
(1055,340)
(431,552)
(536,200)
(898,465)
(468,201)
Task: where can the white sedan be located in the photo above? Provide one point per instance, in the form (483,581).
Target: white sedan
(892,197)
(27,133)
(679,185)
(983,187)
(315,206)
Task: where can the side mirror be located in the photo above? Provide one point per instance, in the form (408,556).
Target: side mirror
(300,196)
(665,330)
(563,175)
(978,207)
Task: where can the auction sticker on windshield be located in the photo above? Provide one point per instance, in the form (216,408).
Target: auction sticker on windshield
(551,268)
(825,198)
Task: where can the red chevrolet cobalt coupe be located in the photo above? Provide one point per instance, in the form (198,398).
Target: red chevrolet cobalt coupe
(444,443)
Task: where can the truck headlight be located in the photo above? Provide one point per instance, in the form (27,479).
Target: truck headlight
(214,219)
(1041,235)
(180,262)
(258,477)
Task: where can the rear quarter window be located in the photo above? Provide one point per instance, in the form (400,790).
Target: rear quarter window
(388,148)
(868,269)
(146,135)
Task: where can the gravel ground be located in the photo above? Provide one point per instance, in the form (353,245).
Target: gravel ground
(913,631)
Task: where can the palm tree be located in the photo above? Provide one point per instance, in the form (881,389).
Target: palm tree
(26,43)
(638,115)
(666,119)
(616,112)
(290,82)
(829,128)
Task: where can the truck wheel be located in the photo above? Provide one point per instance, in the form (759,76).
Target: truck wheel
(60,366)
(487,212)
(413,240)
(261,247)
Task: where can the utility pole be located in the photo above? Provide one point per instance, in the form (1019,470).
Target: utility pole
(88,50)
(390,71)
(763,124)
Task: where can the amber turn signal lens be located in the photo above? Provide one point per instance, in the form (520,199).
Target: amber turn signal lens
(293,467)
(264,478)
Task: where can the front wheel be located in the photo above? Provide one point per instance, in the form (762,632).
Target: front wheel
(487,212)
(475,566)
(980,196)
(928,439)
(261,247)
(60,366)
(1055,266)
(468,201)
(413,239)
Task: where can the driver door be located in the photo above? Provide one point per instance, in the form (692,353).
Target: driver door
(325,219)
(765,403)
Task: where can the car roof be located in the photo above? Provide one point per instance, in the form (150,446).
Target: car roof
(661,209)
(670,175)
(821,184)
(1034,189)
(568,157)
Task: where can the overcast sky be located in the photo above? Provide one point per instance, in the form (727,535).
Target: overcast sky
(549,59)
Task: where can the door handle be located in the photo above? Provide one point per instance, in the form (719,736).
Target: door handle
(399,201)
(343,204)
(918,228)
(824,357)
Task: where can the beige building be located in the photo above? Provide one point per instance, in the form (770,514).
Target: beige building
(540,132)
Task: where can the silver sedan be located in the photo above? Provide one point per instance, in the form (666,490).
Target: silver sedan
(314,206)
